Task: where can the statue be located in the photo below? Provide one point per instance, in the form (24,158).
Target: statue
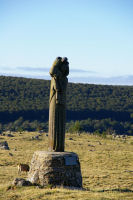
(57,104)
(56,167)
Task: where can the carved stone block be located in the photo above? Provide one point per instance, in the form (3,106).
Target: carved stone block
(55,168)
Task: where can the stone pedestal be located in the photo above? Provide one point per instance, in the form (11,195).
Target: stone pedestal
(55,168)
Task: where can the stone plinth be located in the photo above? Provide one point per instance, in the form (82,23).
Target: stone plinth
(55,168)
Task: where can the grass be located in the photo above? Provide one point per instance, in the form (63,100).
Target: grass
(106,166)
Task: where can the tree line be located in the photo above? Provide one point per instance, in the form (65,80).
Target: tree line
(24,104)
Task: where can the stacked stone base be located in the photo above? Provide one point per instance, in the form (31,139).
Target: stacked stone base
(55,168)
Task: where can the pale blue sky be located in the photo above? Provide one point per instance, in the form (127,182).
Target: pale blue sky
(95,35)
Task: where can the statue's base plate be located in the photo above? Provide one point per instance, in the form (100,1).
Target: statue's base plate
(55,168)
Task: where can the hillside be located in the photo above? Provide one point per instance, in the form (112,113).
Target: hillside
(97,107)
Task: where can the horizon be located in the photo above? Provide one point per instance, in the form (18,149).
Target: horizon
(114,81)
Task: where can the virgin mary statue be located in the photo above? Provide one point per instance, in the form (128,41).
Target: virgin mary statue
(57,104)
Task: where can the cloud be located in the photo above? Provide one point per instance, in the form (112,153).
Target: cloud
(33,69)
(76,75)
(118,80)
(47,77)
(82,71)
(42,69)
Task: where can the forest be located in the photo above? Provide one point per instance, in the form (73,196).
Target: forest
(24,105)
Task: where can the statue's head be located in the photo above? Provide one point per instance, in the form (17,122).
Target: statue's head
(64,59)
(60,67)
(58,58)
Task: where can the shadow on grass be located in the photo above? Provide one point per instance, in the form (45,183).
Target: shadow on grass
(117,190)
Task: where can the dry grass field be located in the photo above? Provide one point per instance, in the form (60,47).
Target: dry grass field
(106,165)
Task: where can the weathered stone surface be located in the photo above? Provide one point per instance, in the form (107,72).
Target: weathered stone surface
(21,182)
(4,145)
(55,168)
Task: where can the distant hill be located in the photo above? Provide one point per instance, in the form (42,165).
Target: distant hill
(97,107)
(114,80)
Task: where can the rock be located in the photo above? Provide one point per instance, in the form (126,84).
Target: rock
(10,154)
(124,136)
(4,145)
(21,182)
(128,171)
(41,131)
(55,168)
(91,145)
(10,135)
(91,150)
(7,132)
(35,137)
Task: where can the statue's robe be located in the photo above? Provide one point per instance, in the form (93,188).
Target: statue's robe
(57,109)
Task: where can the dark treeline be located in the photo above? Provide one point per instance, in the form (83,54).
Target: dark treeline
(24,104)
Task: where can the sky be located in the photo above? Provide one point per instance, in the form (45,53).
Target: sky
(95,35)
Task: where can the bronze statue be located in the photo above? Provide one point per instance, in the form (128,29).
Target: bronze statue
(57,104)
